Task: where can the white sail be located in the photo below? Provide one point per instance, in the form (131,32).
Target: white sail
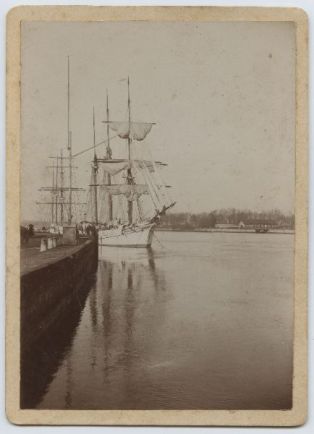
(131,130)
(133,197)
(115,166)
(131,192)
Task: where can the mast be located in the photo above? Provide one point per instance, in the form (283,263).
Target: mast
(95,169)
(108,148)
(129,111)
(129,172)
(109,156)
(61,187)
(69,146)
(58,189)
(58,192)
(132,191)
(52,195)
(57,174)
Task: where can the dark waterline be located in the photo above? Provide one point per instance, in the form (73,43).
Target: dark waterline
(201,321)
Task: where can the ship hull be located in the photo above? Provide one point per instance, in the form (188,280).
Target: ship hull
(128,237)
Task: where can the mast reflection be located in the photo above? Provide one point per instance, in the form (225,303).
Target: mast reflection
(128,277)
(98,364)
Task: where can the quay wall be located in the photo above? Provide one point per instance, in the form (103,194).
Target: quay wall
(43,290)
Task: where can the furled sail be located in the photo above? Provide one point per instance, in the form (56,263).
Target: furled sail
(130,191)
(114,166)
(133,130)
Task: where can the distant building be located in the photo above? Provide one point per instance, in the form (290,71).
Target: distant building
(255,223)
(226,226)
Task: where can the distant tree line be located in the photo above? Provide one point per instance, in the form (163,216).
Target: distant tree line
(227,216)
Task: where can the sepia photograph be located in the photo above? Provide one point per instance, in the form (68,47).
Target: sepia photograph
(157,234)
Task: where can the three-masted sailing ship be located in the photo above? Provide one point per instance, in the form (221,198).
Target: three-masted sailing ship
(131,197)
(64,207)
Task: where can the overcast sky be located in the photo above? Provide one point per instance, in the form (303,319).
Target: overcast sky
(221,94)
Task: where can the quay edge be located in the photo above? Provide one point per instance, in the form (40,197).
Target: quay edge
(44,288)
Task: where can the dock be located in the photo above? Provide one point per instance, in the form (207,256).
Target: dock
(48,278)
(32,259)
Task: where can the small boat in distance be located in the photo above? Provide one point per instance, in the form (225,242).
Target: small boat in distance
(261,228)
(128,195)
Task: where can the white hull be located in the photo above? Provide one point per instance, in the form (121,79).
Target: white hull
(127,237)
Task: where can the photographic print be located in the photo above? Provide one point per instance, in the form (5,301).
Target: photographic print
(159,224)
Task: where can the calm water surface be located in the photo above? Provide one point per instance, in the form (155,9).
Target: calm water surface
(203,321)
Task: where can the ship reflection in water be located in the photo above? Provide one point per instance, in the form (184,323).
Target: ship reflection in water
(202,323)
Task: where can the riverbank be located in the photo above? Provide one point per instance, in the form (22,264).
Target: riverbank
(235,231)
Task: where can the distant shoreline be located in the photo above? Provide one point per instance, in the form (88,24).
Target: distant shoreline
(235,231)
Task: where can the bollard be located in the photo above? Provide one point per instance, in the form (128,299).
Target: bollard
(43,245)
(50,246)
(54,242)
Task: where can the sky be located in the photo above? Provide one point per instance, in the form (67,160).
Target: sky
(222,96)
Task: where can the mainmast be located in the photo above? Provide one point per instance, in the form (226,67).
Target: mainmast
(129,112)
(108,148)
(130,131)
(130,179)
(95,170)
(69,147)
(108,157)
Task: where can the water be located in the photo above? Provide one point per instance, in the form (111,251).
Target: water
(203,321)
